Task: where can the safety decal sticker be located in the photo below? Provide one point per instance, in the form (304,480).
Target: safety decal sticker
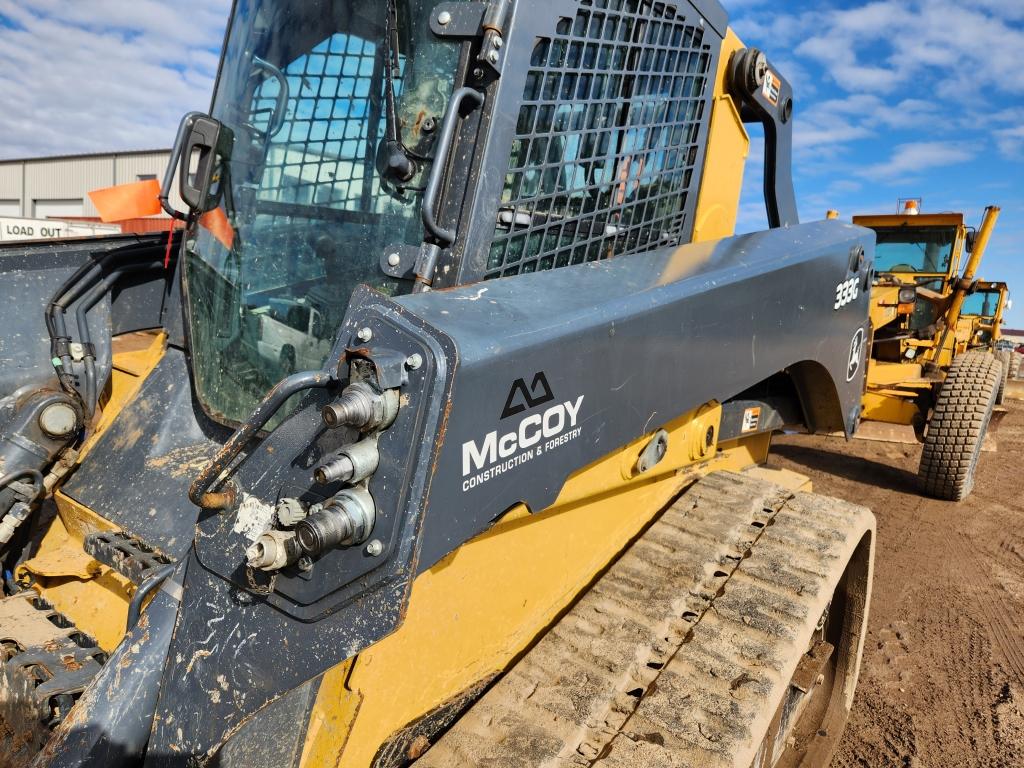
(846,291)
(856,352)
(770,89)
(751,418)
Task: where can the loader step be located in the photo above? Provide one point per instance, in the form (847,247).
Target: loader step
(683,651)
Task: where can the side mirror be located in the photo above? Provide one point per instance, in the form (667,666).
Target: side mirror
(971,237)
(201,148)
(207,146)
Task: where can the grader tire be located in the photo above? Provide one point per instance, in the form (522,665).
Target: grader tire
(957,427)
(1003,356)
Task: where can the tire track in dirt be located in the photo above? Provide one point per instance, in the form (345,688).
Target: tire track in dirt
(942,681)
(1004,634)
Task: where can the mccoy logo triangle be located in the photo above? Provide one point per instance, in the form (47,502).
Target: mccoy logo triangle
(521,397)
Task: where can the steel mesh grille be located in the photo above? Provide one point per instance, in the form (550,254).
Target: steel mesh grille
(607,138)
(324,152)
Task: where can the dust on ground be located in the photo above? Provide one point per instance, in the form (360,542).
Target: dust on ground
(942,683)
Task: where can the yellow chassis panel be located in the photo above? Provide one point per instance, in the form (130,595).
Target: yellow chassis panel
(472,614)
(92,595)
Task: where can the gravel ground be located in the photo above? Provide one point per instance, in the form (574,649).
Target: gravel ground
(942,682)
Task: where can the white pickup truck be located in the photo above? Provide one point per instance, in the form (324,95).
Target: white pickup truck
(290,334)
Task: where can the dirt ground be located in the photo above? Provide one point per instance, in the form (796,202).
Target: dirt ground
(942,683)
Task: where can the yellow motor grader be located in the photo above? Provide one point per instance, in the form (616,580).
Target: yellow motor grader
(439,435)
(982,316)
(927,366)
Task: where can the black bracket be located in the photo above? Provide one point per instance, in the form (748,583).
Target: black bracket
(475,20)
(400,261)
(766,97)
(457,20)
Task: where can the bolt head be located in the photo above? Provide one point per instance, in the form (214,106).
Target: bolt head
(760,68)
(493,57)
(305,563)
(364,334)
(374,548)
(444,18)
(496,41)
(394,260)
(414,361)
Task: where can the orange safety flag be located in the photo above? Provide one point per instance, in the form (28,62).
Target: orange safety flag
(127,201)
(218,225)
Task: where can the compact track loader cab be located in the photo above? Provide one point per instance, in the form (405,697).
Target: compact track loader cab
(931,365)
(436,437)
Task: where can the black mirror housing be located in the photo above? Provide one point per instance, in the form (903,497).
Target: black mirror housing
(207,142)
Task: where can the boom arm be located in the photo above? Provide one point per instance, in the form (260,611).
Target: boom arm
(962,287)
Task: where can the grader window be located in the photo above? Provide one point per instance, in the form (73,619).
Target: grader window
(607,138)
(981,303)
(914,249)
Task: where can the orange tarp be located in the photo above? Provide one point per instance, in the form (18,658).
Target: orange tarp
(217,223)
(127,201)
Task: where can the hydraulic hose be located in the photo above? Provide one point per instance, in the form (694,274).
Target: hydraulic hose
(198,492)
(87,303)
(80,281)
(35,474)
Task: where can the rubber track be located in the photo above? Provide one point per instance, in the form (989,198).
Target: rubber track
(681,652)
(957,426)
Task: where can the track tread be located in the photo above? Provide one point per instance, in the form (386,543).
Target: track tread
(672,661)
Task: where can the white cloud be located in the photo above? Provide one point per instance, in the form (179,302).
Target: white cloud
(908,159)
(948,47)
(104,75)
(1010,141)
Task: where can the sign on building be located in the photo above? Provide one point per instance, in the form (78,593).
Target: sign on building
(13,229)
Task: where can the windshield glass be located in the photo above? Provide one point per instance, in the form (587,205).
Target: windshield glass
(981,303)
(914,249)
(305,214)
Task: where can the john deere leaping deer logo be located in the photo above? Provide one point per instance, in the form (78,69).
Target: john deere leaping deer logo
(521,397)
(856,352)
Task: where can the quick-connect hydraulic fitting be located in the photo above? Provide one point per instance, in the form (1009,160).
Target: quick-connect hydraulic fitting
(345,520)
(273,550)
(350,464)
(362,406)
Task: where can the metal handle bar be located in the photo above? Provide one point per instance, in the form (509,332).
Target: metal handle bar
(444,144)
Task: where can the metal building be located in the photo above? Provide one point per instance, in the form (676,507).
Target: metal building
(58,187)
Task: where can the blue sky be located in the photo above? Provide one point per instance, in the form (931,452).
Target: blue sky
(894,98)
(902,98)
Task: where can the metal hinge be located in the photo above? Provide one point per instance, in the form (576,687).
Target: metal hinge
(475,20)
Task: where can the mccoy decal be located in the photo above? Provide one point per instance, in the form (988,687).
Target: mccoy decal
(534,435)
(856,352)
(521,399)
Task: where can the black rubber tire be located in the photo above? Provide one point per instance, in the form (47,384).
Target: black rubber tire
(957,426)
(1003,356)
